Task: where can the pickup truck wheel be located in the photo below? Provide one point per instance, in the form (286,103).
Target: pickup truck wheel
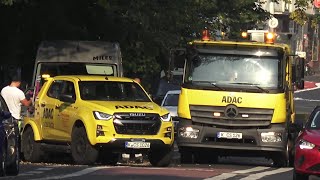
(81,149)
(3,161)
(13,168)
(161,157)
(31,149)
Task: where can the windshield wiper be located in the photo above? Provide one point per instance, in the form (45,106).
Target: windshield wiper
(251,84)
(210,83)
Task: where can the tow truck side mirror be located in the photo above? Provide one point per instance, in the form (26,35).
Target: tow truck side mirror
(298,73)
(66,98)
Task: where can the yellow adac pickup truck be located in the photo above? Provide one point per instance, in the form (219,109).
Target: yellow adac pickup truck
(97,118)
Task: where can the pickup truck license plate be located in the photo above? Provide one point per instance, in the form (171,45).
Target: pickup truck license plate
(229,135)
(137,145)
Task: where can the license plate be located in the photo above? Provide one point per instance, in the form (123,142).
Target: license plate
(229,135)
(137,145)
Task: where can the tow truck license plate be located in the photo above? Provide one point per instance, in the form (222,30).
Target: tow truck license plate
(229,135)
(137,145)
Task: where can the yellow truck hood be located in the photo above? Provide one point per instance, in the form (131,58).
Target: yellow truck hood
(126,106)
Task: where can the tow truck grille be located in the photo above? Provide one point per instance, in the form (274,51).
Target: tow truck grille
(245,117)
(130,123)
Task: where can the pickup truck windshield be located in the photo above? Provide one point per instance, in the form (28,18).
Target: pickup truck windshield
(112,91)
(223,70)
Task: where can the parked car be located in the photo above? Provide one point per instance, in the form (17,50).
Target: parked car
(170,102)
(307,154)
(9,142)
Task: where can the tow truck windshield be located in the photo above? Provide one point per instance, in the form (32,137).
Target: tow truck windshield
(112,91)
(221,71)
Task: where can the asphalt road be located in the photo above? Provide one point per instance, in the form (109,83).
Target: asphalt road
(230,168)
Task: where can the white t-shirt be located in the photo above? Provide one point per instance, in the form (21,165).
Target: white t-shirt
(13,97)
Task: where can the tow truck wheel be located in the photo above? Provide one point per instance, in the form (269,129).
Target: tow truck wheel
(186,156)
(31,149)
(81,149)
(284,159)
(161,157)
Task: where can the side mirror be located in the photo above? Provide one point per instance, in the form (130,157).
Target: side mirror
(66,98)
(5,115)
(298,73)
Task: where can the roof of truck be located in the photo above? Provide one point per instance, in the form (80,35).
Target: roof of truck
(78,51)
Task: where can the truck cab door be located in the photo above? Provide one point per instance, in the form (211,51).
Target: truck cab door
(47,107)
(65,111)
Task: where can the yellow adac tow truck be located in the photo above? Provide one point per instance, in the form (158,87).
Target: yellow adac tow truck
(237,99)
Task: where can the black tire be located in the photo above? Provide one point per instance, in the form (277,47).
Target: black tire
(3,160)
(186,157)
(286,158)
(108,158)
(81,149)
(13,168)
(205,157)
(31,149)
(161,157)
(298,176)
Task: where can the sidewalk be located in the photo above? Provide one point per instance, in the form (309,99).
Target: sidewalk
(311,81)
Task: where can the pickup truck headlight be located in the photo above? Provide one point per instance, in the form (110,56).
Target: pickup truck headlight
(102,116)
(166,117)
(303,144)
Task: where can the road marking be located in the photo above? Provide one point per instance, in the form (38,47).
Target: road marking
(79,173)
(37,171)
(310,100)
(235,173)
(44,169)
(267,173)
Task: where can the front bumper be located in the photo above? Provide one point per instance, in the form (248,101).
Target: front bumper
(249,144)
(307,161)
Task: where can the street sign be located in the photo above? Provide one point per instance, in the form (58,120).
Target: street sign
(273,22)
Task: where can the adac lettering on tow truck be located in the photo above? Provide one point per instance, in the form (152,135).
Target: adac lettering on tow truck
(132,107)
(231,99)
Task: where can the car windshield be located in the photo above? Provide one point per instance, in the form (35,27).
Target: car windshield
(171,100)
(234,70)
(112,91)
(315,123)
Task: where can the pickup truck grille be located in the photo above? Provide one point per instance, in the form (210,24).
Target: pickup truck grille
(243,117)
(137,123)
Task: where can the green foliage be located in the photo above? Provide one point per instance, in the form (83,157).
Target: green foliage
(145,29)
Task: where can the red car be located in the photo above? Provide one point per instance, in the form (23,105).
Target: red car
(307,149)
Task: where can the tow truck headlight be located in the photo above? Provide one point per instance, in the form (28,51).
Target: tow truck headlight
(271,137)
(102,116)
(303,144)
(189,132)
(166,117)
